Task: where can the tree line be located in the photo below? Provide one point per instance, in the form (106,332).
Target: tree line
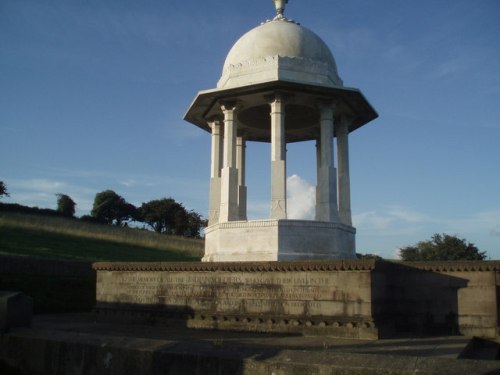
(439,247)
(160,215)
(170,217)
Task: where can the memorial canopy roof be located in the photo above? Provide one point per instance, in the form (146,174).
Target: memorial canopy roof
(280,56)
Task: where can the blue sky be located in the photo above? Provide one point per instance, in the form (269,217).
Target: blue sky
(92,96)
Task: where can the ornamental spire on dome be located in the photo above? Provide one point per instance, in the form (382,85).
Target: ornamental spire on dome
(280,8)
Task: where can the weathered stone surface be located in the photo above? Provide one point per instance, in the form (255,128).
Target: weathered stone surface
(301,298)
(282,85)
(455,297)
(69,344)
(276,240)
(339,298)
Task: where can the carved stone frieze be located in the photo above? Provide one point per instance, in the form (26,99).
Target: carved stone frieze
(302,66)
(334,265)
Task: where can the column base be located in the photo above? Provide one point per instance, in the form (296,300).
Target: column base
(326,195)
(214,205)
(278,189)
(229,195)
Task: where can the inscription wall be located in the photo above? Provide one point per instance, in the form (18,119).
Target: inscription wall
(343,298)
(308,293)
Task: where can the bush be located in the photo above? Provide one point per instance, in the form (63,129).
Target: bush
(442,247)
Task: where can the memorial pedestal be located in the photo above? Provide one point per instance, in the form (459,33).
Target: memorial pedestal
(278,240)
(308,297)
(339,298)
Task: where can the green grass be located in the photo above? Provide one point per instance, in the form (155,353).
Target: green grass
(50,237)
(59,238)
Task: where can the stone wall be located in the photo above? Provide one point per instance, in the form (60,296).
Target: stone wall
(437,297)
(327,297)
(345,298)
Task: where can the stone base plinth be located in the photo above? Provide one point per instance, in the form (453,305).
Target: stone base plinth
(319,298)
(277,240)
(339,298)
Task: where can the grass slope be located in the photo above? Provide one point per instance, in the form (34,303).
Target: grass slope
(58,238)
(29,235)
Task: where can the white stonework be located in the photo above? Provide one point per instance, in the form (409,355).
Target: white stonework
(344,191)
(279,50)
(279,85)
(273,240)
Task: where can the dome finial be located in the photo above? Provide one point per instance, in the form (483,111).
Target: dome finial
(280,8)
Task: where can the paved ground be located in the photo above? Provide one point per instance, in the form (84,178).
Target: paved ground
(178,348)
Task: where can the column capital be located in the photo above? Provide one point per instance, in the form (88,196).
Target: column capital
(276,96)
(346,118)
(342,126)
(214,122)
(214,118)
(324,104)
(229,105)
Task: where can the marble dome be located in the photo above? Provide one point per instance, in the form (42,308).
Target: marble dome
(279,50)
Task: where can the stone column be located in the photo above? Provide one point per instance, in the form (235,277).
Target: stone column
(326,203)
(215,172)
(318,173)
(278,158)
(342,131)
(229,173)
(242,189)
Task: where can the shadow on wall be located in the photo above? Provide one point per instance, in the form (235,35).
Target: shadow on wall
(411,301)
(188,351)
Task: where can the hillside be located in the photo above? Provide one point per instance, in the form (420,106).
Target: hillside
(58,238)
(53,237)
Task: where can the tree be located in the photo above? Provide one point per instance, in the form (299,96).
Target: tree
(170,217)
(110,208)
(65,205)
(162,215)
(3,190)
(195,223)
(442,247)
(368,256)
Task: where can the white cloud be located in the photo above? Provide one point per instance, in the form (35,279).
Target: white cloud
(130,183)
(486,222)
(42,193)
(394,218)
(371,219)
(301,198)
(408,215)
(392,227)
(40,185)
(181,132)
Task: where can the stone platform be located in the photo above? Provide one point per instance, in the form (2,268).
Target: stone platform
(361,299)
(72,344)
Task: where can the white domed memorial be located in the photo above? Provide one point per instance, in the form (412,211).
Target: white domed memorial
(279,85)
